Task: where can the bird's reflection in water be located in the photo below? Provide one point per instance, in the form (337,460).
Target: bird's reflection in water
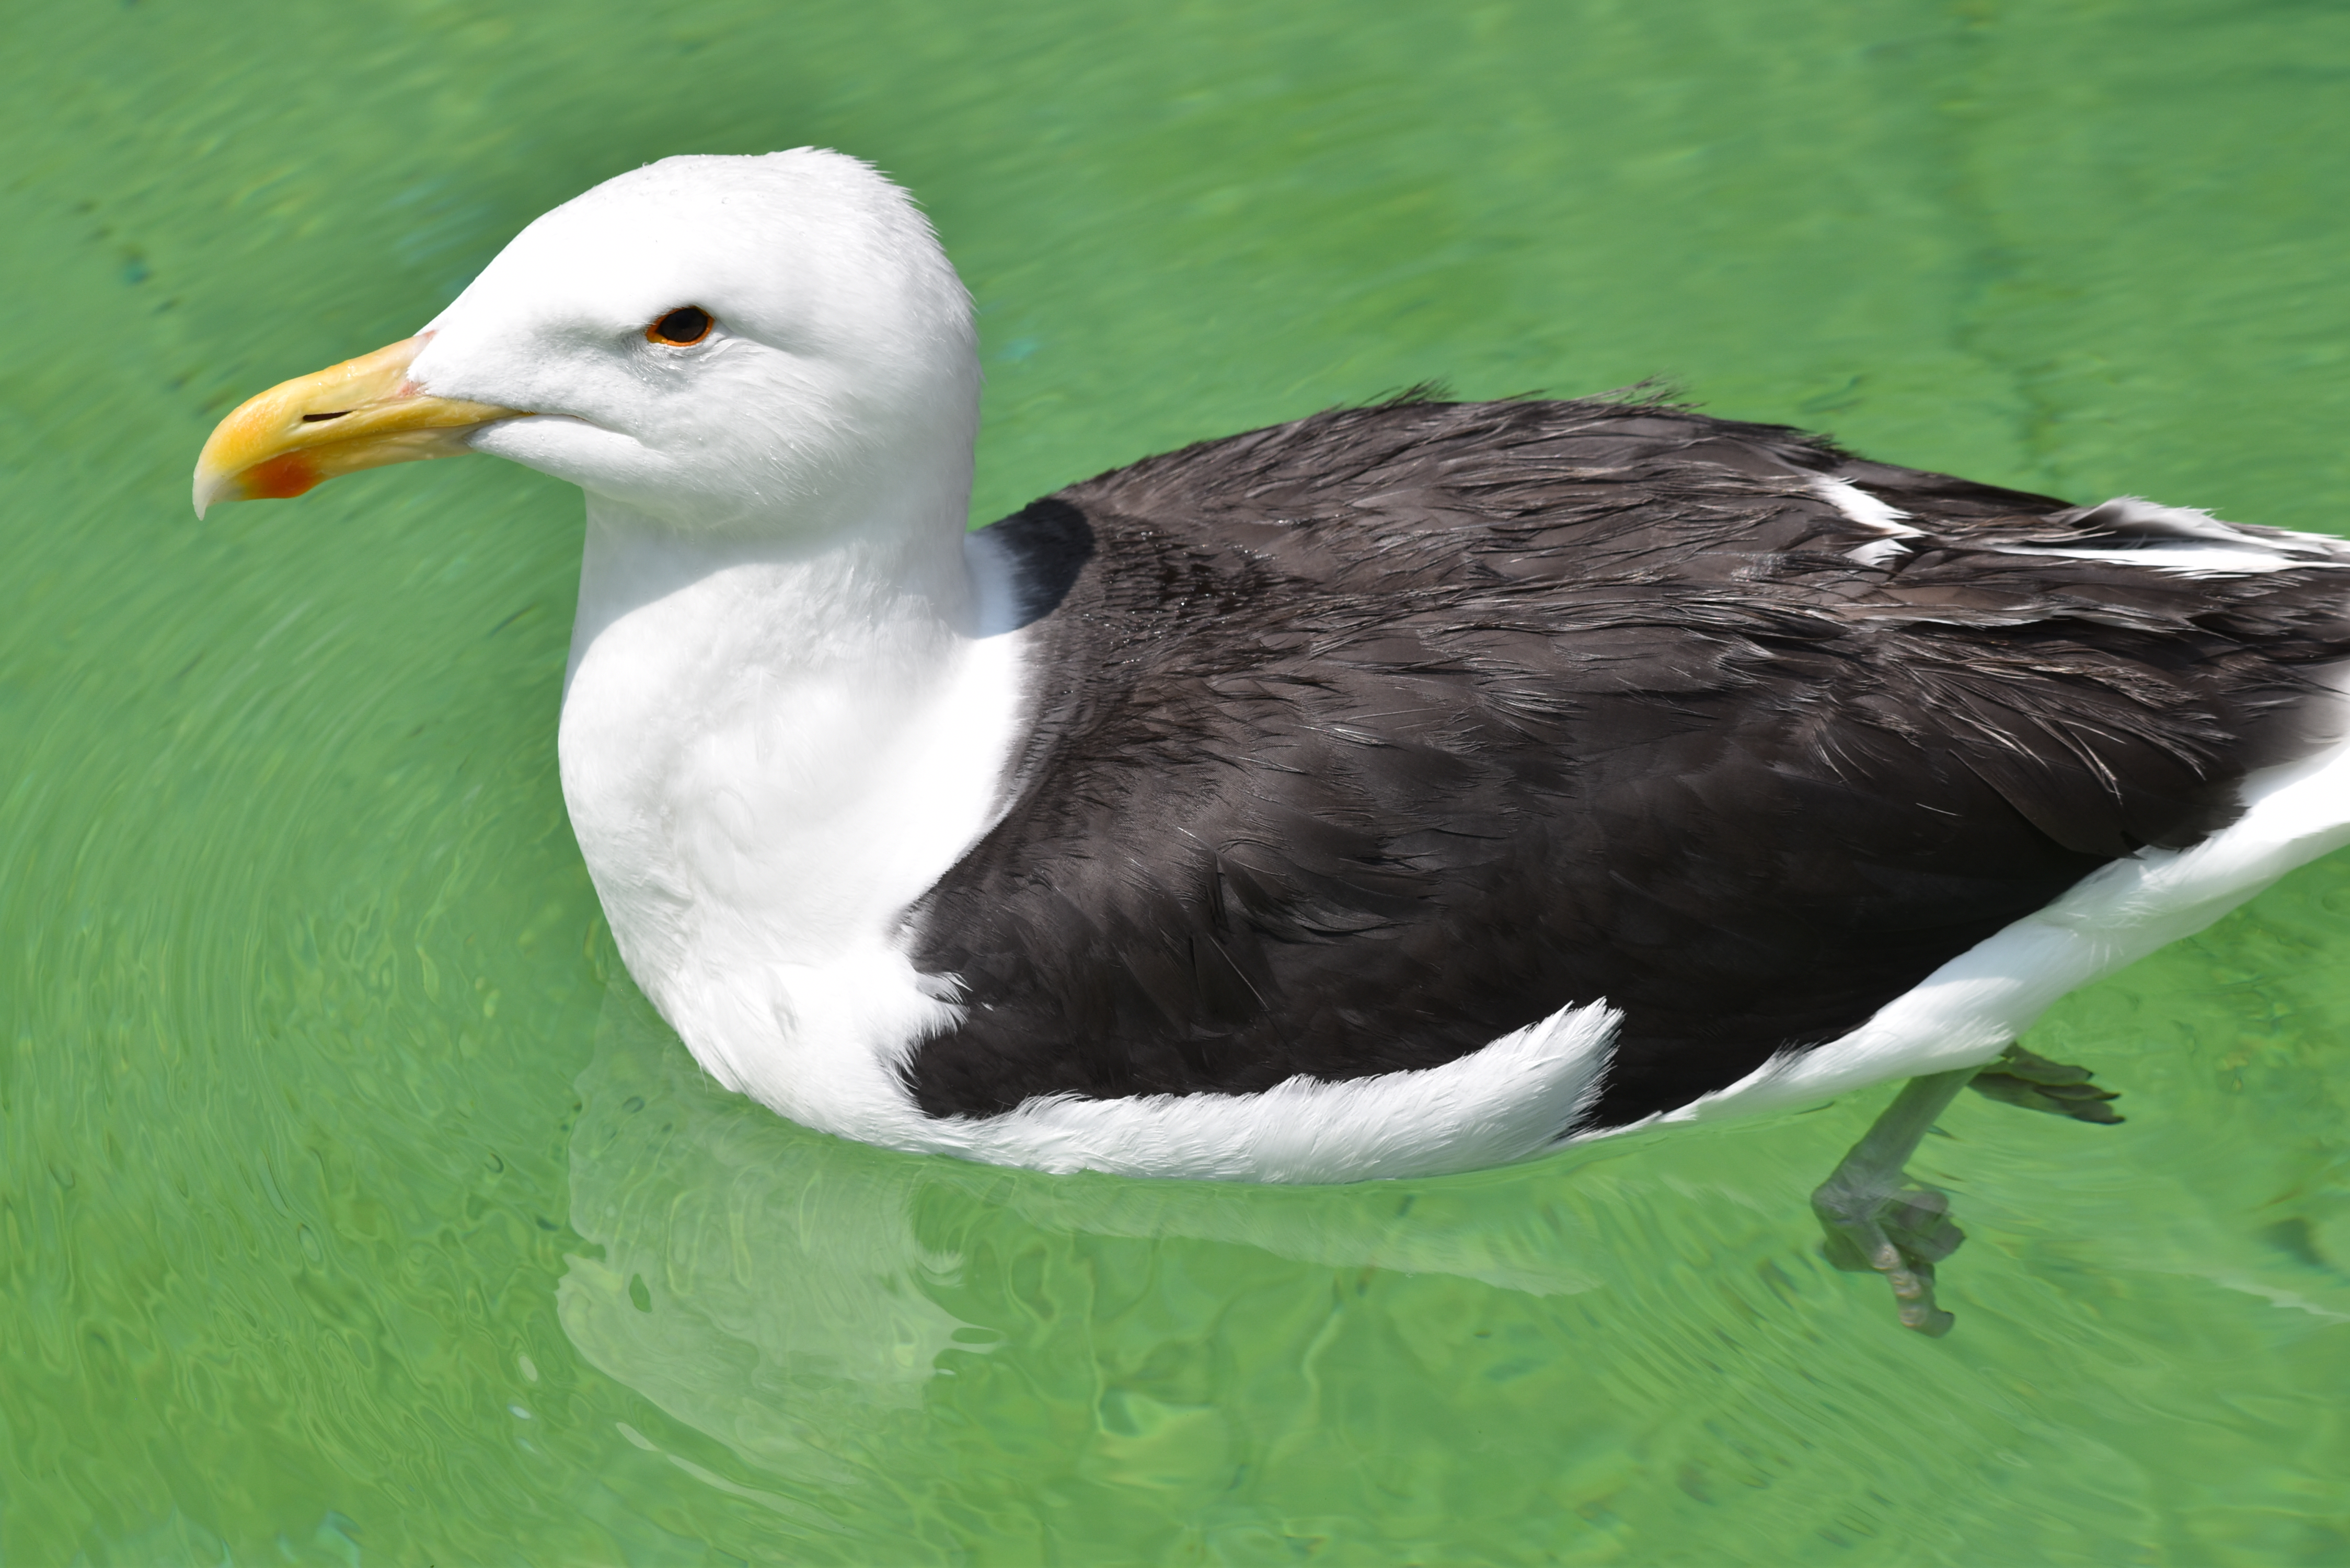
(760,1283)
(788,1294)
(925,1352)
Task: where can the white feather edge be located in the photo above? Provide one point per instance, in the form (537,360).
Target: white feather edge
(1865,509)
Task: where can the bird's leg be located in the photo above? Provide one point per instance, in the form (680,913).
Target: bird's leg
(1876,1219)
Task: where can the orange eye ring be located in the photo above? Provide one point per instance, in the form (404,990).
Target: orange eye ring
(686,325)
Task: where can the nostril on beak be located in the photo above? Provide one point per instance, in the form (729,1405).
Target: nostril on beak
(314,419)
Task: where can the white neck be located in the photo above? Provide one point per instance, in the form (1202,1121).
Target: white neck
(771,745)
(853,583)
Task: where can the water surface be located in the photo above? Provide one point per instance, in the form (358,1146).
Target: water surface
(353,1207)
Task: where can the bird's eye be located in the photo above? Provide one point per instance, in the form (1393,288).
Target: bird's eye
(686,324)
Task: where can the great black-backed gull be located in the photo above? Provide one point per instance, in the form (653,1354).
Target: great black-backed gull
(1405,789)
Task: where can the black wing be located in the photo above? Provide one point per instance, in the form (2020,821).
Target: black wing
(1372,737)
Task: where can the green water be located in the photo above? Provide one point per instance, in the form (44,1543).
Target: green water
(353,1208)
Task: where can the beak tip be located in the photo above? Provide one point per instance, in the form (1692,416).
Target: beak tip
(277,444)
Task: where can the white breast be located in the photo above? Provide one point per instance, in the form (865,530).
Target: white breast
(765,761)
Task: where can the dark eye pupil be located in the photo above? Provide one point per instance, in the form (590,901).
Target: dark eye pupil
(687,324)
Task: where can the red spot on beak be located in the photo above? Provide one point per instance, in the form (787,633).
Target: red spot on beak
(279,479)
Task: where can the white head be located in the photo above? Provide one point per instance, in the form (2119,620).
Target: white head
(836,386)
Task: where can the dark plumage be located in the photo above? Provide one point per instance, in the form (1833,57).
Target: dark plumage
(1380,734)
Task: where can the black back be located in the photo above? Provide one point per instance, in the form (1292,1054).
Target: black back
(1364,739)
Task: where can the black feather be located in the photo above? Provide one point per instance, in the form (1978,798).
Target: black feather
(1367,739)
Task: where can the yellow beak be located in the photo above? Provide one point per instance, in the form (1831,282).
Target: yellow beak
(362,414)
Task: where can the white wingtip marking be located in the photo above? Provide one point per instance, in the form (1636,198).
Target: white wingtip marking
(2187,541)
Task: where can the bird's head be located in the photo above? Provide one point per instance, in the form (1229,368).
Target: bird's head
(717,343)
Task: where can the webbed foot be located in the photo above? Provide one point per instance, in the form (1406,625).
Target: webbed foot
(1879,1221)
(2022,1078)
(1900,1228)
